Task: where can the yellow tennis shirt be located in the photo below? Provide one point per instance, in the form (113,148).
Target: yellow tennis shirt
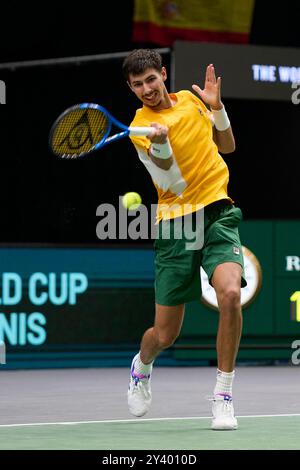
(198,175)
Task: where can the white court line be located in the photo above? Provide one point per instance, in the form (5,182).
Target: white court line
(137,420)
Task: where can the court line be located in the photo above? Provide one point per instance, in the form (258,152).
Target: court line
(136,420)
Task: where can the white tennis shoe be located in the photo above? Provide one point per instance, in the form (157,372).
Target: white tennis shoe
(139,392)
(223,413)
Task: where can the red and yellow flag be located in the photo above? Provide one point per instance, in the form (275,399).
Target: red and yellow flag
(162,21)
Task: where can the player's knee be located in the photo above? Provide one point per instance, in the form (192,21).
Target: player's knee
(230,297)
(166,340)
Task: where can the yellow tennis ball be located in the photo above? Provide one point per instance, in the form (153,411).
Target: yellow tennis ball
(131,201)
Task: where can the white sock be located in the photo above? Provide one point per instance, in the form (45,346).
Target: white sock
(224,383)
(141,368)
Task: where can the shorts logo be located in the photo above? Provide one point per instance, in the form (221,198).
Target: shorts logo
(236,250)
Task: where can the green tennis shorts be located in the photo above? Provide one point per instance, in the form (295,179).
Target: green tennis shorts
(178,261)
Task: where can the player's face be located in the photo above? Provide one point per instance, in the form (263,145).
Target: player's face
(149,87)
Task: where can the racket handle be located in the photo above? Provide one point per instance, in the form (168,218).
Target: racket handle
(141,131)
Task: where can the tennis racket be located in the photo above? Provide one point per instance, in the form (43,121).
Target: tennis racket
(86,127)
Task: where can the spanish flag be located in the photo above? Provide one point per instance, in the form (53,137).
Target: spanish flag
(162,22)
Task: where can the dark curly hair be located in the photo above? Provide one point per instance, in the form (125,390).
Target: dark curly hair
(140,60)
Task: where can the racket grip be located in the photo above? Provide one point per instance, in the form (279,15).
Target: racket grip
(141,131)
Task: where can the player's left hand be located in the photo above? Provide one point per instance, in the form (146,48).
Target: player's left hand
(211,94)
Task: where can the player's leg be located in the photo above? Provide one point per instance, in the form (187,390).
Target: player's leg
(177,281)
(166,328)
(226,281)
(223,263)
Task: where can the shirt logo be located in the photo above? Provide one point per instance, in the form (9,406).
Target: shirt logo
(236,250)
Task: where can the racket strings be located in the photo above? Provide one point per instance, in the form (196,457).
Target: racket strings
(79,131)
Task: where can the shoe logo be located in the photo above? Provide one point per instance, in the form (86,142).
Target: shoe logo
(138,377)
(227,398)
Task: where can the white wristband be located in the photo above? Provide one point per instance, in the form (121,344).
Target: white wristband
(163,151)
(221,119)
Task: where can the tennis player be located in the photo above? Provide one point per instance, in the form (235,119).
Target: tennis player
(182,157)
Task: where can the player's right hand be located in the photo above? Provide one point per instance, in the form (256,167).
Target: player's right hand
(159,134)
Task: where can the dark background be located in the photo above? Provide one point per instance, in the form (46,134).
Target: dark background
(52,201)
